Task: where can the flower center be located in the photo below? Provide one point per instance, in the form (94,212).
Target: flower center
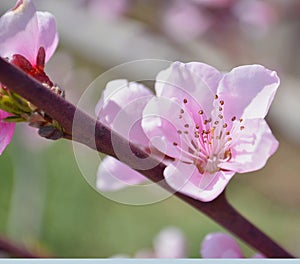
(206,140)
(36,71)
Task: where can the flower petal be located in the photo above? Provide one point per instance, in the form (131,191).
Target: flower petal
(114,175)
(19,31)
(48,37)
(185,178)
(196,82)
(220,245)
(253,148)
(166,130)
(6,131)
(121,107)
(170,243)
(248,91)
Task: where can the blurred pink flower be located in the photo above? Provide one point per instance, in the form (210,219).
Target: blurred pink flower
(221,245)
(120,108)
(6,131)
(169,243)
(28,39)
(210,125)
(187,20)
(184,20)
(107,8)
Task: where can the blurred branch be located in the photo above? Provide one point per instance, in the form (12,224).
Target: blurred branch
(17,251)
(95,135)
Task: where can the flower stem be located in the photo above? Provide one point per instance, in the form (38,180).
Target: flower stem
(95,135)
(16,251)
(224,214)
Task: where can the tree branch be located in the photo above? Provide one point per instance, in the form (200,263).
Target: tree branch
(17,251)
(95,135)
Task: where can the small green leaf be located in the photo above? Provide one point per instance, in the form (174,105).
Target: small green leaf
(14,119)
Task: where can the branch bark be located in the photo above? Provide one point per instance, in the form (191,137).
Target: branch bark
(17,251)
(95,135)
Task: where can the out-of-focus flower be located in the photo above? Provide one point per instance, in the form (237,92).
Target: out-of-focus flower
(186,20)
(108,9)
(28,38)
(121,107)
(210,124)
(169,243)
(6,131)
(221,245)
(183,20)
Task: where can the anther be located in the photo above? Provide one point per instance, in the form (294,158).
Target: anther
(186,125)
(186,132)
(181,111)
(185,101)
(220,116)
(175,143)
(221,102)
(200,112)
(225,125)
(233,118)
(179,132)
(197,126)
(220,108)
(216,96)
(242,127)
(216,123)
(241,120)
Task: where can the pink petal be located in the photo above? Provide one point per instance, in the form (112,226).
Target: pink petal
(161,124)
(248,91)
(19,31)
(196,82)
(258,255)
(114,175)
(48,37)
(254,147)
(6,131)
(184,21)
(121,106)
(185,178)
(170,243)
(220,245)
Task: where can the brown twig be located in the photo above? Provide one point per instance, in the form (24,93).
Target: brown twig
(16,251)
(95,135)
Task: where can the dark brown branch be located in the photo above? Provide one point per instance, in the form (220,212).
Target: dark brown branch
(17,251)
(95,135)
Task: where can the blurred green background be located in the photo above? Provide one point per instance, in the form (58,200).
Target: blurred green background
(46,204)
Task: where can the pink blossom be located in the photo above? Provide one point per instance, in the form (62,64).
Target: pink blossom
(169,243)
(121,104)
(107,8)
(184,20)
(23,31)
(6,131)
(28,39)
(221,245)
(210,125)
